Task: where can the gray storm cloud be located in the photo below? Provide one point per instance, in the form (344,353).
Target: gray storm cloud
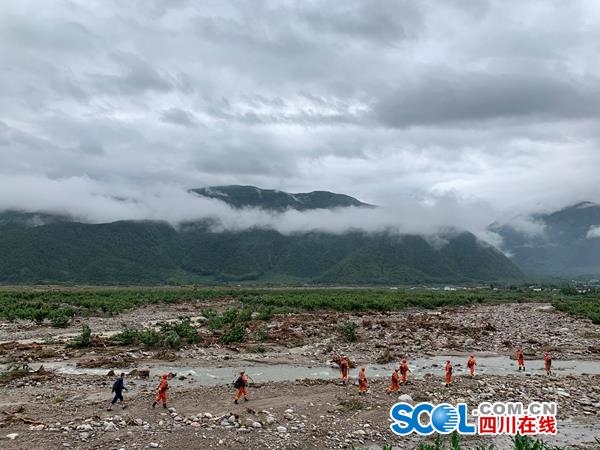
(445,113)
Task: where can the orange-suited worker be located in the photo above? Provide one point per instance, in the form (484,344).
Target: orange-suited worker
(448,369)
(395,385)
(548,363)
(161,395)
(363,384)
(242,387)
(344,366)
(404,369)
(520,359)
(471,363)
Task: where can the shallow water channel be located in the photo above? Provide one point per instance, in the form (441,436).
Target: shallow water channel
(211,376)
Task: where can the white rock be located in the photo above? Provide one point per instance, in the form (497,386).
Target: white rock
(281,429)
(39,427)
(208,415)
(154,445)
(289,411)
(270,420)
(256,425)
(288,416)
(405,398)
(231,419)
(110,427)
(12,436)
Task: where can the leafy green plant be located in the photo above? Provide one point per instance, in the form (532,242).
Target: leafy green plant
(529,443)
(262,334)
(352,405)
(348,331)
(236,333)
(172,335)
(84,339)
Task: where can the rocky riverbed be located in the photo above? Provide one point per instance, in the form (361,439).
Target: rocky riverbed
(53,409)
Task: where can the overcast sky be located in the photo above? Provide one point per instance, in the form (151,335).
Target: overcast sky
(450,112)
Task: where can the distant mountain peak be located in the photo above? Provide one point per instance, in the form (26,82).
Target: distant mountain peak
(565,248)
(239,196)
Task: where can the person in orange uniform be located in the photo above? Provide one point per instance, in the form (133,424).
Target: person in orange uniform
(548,363)
(395,385)
(404,369)
(520,359)
(242,387)
(161,395)
(448,369)
(363,385)
(344,366)
(471,363)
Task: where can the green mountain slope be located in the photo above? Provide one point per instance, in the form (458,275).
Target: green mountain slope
(154,253)
(565,247)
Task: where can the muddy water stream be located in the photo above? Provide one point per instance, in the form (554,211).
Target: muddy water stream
(217,375)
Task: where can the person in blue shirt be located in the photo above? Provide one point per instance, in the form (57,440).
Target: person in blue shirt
(118,388)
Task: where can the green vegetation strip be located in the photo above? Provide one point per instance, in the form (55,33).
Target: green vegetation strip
(59,305)
(454,442)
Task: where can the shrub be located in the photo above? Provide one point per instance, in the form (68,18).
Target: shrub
(348,331)
(169,335)
(84,339)
(236,333)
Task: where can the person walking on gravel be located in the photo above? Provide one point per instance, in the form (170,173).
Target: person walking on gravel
(161,395)
(117,389)
(520,359)
(344,367)
(404,369)
(548,363)
(241,384)
(363,385)
(448,369)
(395,384)
(471,363)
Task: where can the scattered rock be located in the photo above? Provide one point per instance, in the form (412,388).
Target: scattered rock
(405,398)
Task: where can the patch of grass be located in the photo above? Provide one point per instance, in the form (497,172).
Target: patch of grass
(352,405)
(84,339)
(454,443)
(257,348)
(588,307)
(262,334)
(174,335)
(348,331)
(236,333)
(60,305)
(528,443)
